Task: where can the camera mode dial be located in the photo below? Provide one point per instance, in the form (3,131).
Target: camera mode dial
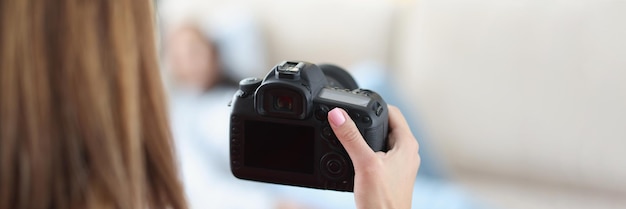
(249,85)
(334,166)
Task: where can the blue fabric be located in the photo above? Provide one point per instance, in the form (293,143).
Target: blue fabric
(376,77)
(427,193)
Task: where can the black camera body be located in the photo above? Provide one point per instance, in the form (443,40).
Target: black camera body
(279,132)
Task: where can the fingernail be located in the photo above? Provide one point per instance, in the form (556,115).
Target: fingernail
(336,117)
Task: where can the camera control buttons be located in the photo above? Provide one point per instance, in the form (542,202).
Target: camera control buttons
(327,132)
(378,108)
(329,135)
(355,115)
(321,113)
(366,119)
(235,130)
(364,92)
(334,166)
(235,142)
(249,85)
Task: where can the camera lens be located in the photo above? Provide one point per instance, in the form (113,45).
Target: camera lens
(283,103)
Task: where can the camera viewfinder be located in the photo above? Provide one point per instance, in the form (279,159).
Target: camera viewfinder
(283,103)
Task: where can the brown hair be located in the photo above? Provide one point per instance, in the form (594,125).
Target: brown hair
(82,116)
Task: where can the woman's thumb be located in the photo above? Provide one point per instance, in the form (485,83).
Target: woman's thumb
(350,137)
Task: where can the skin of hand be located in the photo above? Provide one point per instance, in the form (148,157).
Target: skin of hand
(382,179)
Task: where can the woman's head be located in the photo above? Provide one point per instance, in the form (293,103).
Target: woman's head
(192,58)
(82,115)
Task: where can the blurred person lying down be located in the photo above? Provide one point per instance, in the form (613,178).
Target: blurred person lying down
(199,114)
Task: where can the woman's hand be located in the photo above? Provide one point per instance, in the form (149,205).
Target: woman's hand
(382,180)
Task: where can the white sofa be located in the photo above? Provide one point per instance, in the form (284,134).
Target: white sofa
(525,101)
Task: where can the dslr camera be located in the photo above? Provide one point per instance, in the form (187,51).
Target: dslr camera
(279,132)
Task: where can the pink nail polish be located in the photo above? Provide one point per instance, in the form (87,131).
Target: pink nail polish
(336,117)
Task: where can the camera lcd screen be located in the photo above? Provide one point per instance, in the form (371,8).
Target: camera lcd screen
(279,146)
(345,97)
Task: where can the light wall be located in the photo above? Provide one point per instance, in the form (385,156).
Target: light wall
(528,89)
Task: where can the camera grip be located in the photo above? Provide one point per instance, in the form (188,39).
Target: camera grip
(376,138)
